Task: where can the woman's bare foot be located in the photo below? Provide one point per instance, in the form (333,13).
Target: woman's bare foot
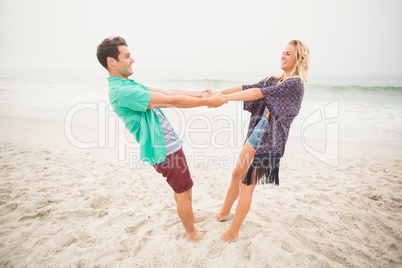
(198,219)
(229,238)
(223,217)
(195,236)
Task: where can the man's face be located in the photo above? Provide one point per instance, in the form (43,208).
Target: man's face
(123,66)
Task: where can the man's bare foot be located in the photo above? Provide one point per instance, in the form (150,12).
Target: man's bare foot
(198,219)
(196,236)
(229,238)
(223,217)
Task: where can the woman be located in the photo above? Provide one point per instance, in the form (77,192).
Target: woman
(273,102)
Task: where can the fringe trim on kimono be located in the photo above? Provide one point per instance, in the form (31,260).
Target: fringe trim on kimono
(264,169)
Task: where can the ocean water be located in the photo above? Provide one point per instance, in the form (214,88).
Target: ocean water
(347,108)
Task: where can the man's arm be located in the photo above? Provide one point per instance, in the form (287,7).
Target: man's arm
(160,100)
(173,92)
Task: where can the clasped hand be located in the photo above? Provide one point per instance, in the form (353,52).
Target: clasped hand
(217,99)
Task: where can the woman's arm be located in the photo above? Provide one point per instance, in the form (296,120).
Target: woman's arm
(280,90)
(236,89)
(229,90)
(245,95)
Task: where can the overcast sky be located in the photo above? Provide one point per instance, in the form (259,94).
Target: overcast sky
(345,36)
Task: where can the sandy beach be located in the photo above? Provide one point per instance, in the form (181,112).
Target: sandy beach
(75,194)
(63,206)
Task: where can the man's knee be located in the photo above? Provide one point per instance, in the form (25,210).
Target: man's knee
(184,195)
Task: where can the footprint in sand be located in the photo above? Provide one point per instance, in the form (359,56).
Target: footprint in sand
(133,229)
(393,248)
(376,197)
(170,225)
(287,247)
(252,229)
(180,236)
(147,236)
(37,215)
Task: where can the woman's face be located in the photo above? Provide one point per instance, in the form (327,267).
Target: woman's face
(288,58)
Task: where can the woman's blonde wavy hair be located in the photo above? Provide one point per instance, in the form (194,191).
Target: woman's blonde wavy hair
(302,61)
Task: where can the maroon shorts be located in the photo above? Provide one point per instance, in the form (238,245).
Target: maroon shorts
(176,172)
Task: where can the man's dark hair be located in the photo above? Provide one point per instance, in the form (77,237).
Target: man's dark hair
(109,48)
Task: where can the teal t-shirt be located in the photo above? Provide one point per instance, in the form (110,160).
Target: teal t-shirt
(129,101)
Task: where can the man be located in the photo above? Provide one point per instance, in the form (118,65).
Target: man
(138,107)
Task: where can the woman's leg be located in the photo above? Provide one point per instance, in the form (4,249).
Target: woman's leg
(245,159)
(243,206)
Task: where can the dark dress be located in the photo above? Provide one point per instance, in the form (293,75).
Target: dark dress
(283,102)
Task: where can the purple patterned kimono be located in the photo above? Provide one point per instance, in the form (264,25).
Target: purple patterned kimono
(283,102)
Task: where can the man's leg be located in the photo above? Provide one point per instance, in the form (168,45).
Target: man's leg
(177,174)
(196,219)
(185,211)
